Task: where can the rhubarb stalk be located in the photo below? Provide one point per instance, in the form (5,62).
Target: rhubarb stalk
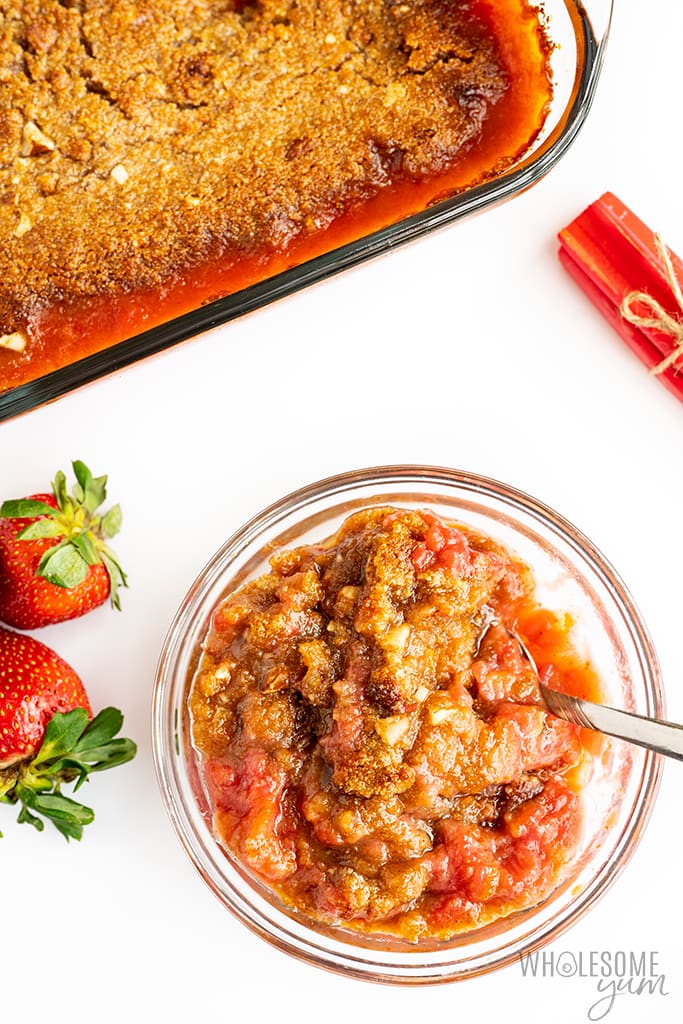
(633,280)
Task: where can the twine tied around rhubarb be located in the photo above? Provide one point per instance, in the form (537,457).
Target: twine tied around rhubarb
(659,318)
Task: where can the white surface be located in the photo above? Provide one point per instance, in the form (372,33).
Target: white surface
(470,349)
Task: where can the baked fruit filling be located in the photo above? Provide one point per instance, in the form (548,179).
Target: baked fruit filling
(373,752)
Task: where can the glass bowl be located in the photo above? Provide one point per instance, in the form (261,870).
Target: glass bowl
(571,575)
(579,30)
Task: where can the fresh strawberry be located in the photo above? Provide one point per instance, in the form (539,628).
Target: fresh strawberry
(47,737)
(54,559)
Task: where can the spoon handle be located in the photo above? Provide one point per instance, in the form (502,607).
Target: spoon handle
(663,737)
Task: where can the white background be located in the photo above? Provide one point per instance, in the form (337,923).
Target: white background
(469,349)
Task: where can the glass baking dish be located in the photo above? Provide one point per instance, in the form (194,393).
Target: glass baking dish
(579,32)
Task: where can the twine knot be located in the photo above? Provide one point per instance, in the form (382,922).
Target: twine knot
(659,319)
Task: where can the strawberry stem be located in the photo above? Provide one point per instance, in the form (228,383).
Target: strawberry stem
(71,750)
(80,531)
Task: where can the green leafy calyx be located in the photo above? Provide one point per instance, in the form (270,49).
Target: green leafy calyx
(81,531)
(72,748)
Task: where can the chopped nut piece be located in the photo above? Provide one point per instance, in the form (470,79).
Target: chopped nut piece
(36,142)
(119,174)
(15,341)
(439,715)
(394,93)
(392,729)
(397,638)
(25,224)
(224,670)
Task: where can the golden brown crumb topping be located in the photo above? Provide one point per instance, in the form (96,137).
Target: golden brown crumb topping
(138,136)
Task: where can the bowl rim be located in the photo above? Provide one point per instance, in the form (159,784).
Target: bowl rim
(528,171)
(356,962)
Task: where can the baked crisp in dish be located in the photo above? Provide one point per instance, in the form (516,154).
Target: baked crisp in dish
(142,139)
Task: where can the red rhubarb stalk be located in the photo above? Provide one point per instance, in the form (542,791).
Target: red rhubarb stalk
(612,254)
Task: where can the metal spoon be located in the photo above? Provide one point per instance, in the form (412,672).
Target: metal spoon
(651,733)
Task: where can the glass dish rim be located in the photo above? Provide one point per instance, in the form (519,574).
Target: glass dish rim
(60,382)
(313,950)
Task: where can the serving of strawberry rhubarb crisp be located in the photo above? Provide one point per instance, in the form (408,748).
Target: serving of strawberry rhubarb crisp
(372,739)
